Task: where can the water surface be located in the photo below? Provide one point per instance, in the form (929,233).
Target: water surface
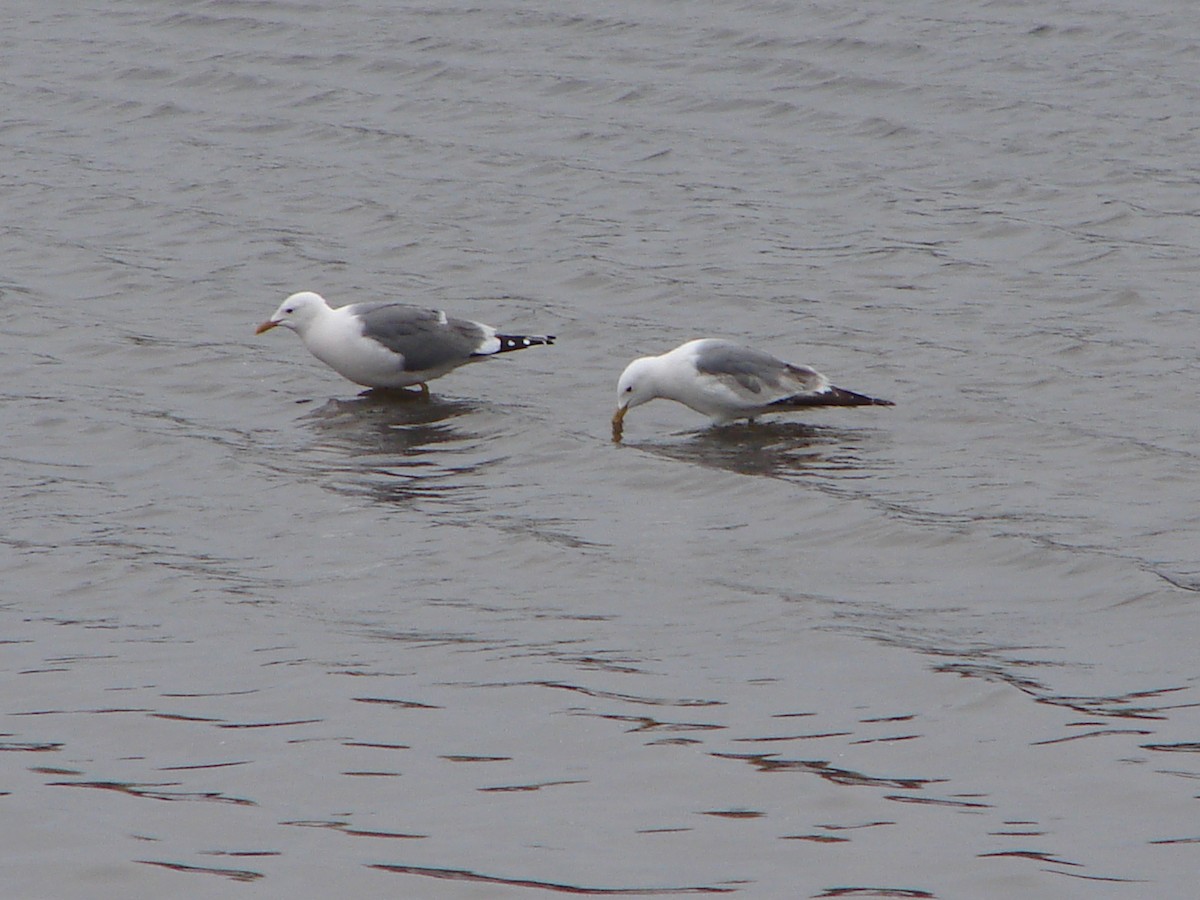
(263,632)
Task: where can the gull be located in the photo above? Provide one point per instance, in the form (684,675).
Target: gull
(391,345)
(727,381)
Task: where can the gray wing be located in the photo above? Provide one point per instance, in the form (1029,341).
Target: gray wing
(426,338)
(754,376)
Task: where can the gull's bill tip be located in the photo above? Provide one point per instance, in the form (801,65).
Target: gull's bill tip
(265,326)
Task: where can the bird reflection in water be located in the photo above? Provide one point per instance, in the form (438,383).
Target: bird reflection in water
(395,444)
(773,449)
(390,421)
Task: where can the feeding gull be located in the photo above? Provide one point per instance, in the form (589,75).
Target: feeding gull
(726,381)
(391,345)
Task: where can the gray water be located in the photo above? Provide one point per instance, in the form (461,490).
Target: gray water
(264,635)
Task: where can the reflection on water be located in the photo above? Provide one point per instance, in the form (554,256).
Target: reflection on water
(959,649)
(243,875)
(556,887)
(773,449)
(390,423)
(156,791)
(394,445)
(769,762)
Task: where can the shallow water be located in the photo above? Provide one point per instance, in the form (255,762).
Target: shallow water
(265,633)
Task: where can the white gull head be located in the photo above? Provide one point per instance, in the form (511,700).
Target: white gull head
(638,384)
(297,312)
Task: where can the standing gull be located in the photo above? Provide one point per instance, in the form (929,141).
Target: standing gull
(726,381)
(391,345)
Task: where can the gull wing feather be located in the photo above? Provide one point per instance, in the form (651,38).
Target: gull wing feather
(756,378)
(426,338)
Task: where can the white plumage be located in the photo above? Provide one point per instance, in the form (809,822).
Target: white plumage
(391,345)
(726,381)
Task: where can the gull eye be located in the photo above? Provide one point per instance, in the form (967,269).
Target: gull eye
(290,310)
(629,389)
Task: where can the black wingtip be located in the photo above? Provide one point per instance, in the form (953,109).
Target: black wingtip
(833,396)
(843,397)
(521,341)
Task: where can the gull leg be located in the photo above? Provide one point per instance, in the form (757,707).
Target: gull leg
(424,390)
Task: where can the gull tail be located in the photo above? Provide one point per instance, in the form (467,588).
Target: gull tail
(831,396)
(521,341)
